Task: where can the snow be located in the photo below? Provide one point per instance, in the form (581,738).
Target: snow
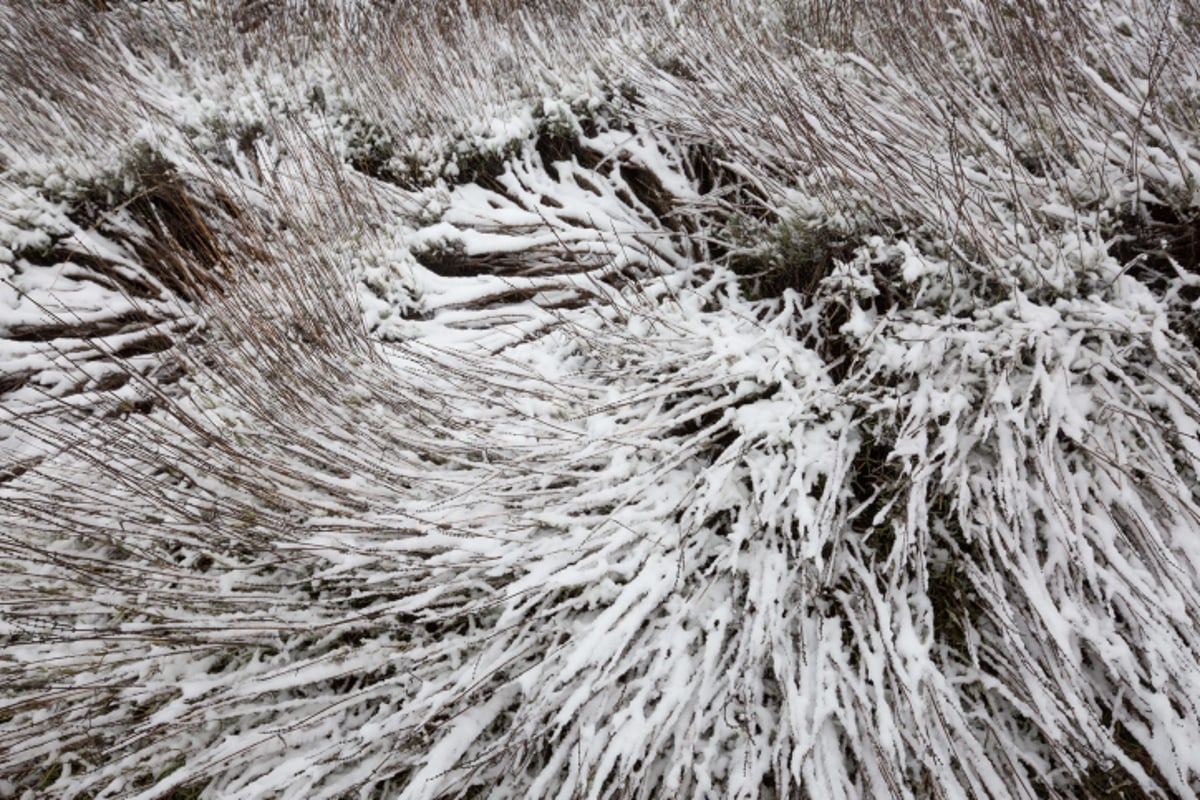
(516,485)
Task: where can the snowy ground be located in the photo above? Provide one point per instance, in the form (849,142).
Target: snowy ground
(674,400)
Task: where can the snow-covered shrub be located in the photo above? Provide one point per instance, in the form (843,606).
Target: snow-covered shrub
(769,400)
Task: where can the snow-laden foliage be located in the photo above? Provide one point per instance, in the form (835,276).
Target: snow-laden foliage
(771,400)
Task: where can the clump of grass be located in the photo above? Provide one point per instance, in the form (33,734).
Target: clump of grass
(667,491)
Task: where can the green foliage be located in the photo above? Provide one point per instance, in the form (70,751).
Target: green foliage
(793,253)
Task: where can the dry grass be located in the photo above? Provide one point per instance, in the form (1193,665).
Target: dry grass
(914,499)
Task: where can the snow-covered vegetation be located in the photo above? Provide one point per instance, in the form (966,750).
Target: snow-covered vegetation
(519,399)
